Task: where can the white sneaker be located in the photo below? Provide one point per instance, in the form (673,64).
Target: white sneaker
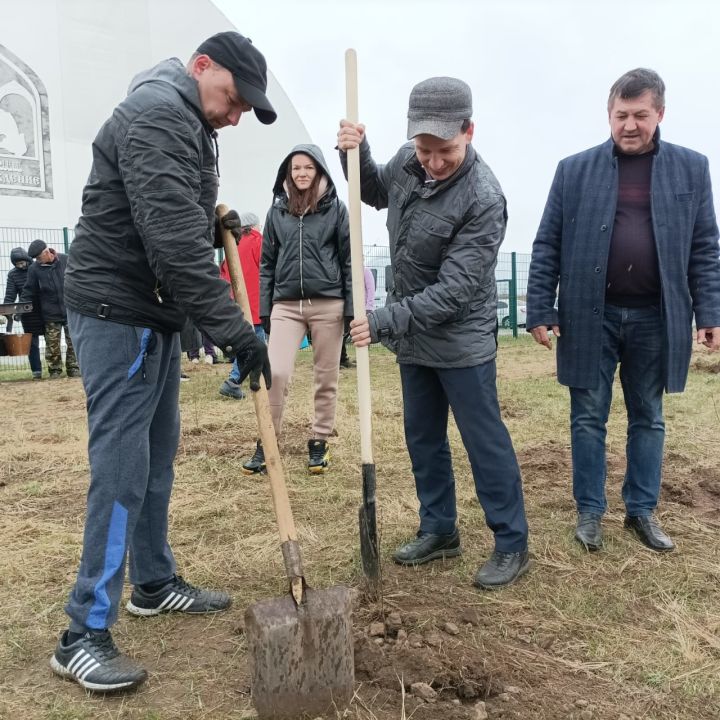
(209,360)
(195,361)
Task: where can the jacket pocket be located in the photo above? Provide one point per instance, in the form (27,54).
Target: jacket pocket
(685,197)
(429,238)
(398,196)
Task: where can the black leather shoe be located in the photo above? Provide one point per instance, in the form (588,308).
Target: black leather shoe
(648,530)
(502,569)
(428,546)
(588,531)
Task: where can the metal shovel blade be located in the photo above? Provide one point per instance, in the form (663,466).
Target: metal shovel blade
(369,551)
(301,657)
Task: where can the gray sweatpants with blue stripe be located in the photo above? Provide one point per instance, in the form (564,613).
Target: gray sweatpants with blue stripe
(134,427)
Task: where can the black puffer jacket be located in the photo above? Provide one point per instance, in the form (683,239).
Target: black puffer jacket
(142,253)
(45,286)
(16,280)
(309,256)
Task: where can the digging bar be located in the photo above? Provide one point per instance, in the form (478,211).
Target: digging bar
(369,550)
(300,645)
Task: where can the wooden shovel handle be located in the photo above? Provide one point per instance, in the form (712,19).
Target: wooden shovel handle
(281,502)
(356,259)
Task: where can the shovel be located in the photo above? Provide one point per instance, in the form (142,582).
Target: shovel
(369,553)
(300,645)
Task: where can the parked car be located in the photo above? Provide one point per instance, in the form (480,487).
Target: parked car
(503,313)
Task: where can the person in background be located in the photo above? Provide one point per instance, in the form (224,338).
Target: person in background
(189,338)
(32,321)
(45,286)
(629,236)
(369,278)
(208,347)
(305,285)
(249,249)
(141,262)
(446,219)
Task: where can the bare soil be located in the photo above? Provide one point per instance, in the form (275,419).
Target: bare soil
(619,634)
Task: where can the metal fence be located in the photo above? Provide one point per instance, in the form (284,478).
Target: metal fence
(511,276)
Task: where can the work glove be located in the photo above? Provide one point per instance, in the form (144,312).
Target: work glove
(252,359)
(230,221)
(265,322)
(346,324)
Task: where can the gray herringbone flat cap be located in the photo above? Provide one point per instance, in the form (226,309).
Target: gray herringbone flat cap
(438,107)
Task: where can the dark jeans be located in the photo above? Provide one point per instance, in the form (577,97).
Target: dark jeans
(34,354)
(134,426)
(235,370)
(632,337)
(428,393)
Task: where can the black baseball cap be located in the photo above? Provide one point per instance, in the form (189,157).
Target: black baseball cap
(237,54)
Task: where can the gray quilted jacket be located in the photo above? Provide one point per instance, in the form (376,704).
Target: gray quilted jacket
(444,241)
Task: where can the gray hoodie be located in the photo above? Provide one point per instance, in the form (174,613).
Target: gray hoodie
(142,253)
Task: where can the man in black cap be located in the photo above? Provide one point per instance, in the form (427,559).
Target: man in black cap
(446,220)
(45,290)
(141,260)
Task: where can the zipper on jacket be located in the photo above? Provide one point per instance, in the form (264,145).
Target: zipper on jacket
(157,292)
(300,226)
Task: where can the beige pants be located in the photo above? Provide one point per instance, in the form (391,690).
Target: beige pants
(289,321)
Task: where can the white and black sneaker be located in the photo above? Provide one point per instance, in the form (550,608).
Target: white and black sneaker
(94,662)
(177,596)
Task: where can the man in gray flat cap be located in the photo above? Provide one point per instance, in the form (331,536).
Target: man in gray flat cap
(446,220)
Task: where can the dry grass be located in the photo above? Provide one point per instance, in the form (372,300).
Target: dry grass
(623,631)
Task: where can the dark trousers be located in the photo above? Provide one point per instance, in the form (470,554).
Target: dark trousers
(34,354)
(134,426)
(428,394)
(207,344)
(633,339)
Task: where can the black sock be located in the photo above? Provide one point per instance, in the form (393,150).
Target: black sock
(151,588)
(73,637)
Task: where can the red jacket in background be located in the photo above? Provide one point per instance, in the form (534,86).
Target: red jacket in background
(249,249)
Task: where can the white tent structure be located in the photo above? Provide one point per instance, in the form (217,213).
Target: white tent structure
(65,64)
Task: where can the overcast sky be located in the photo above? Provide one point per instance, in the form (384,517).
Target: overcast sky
(539,70)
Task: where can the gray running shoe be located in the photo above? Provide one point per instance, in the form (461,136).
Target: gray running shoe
(94,662)
(177,596)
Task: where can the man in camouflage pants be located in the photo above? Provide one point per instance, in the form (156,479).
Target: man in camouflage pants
(53,356)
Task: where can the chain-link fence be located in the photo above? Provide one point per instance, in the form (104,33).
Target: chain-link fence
(511,276)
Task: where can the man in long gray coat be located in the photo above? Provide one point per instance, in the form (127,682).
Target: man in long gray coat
(630,241)
(446,220)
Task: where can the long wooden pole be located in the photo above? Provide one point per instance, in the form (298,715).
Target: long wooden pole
(369,550)
(278,488)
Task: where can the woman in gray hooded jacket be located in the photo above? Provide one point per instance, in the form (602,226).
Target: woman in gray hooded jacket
(305,286)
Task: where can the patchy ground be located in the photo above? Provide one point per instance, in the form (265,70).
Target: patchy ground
(623,633)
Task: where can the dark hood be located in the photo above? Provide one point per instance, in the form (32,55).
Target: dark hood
(17,254)
(172,72)
(315,153)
